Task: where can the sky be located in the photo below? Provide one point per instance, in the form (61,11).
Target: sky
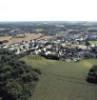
(48,10)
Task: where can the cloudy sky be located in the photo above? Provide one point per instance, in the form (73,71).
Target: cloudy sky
(48,10)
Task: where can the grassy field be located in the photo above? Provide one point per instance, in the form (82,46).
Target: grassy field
(62,80)
(93,42)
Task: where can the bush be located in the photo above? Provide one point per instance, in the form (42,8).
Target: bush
(92,75)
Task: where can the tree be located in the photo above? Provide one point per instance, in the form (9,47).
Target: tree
(92,75)
(16,77)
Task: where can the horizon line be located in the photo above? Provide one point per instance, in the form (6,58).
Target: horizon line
(47,21)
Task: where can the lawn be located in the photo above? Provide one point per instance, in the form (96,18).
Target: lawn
(61,80)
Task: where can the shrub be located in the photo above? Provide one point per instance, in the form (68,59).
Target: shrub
(92,75)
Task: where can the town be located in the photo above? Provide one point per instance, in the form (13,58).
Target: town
(59,47)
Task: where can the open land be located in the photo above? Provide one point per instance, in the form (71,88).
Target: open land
(93,42)
(61,80)
(23,37)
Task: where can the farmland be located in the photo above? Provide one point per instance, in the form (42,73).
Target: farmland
(61,80)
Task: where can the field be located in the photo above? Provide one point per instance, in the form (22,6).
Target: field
(62,80)
(23,37)
(93,42)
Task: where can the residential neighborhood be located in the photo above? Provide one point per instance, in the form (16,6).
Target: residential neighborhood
(76,47)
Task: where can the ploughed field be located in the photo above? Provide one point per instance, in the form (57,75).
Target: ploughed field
(62,80)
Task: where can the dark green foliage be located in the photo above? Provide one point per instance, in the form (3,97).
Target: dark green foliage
(17,79)
(87,43)
(92,75)
(38,71)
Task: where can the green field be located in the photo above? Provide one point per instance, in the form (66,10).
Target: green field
(62,80)
(93,42)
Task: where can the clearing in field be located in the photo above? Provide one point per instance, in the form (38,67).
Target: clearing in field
(62,80)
